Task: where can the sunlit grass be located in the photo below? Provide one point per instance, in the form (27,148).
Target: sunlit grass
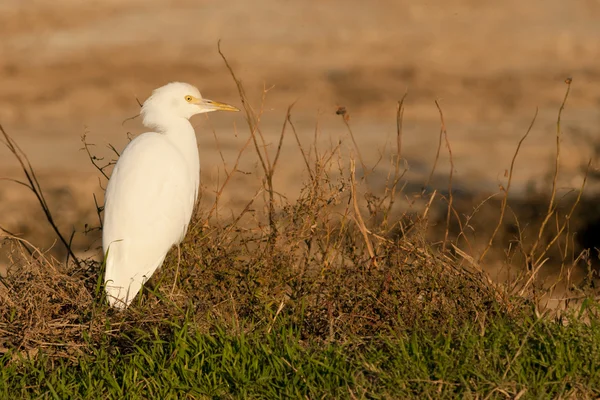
(533,358)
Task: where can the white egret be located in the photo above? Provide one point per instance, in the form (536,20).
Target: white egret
(152,190)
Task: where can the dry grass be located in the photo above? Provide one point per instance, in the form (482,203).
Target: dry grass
(316,260)
(340,262)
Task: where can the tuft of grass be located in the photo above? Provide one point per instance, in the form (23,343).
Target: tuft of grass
(523,357)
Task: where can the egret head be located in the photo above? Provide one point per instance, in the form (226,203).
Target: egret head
(177,100)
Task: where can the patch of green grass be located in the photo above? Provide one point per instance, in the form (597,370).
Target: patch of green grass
(536,358)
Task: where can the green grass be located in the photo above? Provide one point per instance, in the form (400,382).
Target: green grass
(535,357)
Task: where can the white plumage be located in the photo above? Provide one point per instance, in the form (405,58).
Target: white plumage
(152,190)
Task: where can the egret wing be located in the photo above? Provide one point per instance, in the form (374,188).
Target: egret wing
(148,205)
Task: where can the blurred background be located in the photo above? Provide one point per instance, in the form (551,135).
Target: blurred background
(74,67)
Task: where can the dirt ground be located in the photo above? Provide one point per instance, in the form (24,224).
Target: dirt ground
(70,67)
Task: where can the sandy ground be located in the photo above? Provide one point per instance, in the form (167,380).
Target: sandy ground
(70,67)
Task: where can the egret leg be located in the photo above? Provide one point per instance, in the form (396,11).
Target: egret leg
(176,269)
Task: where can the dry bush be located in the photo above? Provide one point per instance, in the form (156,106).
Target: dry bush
(338,262)
(315,272)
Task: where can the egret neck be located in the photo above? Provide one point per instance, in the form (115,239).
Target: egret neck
(180,132)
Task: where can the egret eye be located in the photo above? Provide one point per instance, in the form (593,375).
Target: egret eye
(189,99)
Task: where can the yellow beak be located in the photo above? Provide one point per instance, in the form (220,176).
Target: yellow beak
(217,106)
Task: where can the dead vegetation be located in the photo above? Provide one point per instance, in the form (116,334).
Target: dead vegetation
(340,261)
